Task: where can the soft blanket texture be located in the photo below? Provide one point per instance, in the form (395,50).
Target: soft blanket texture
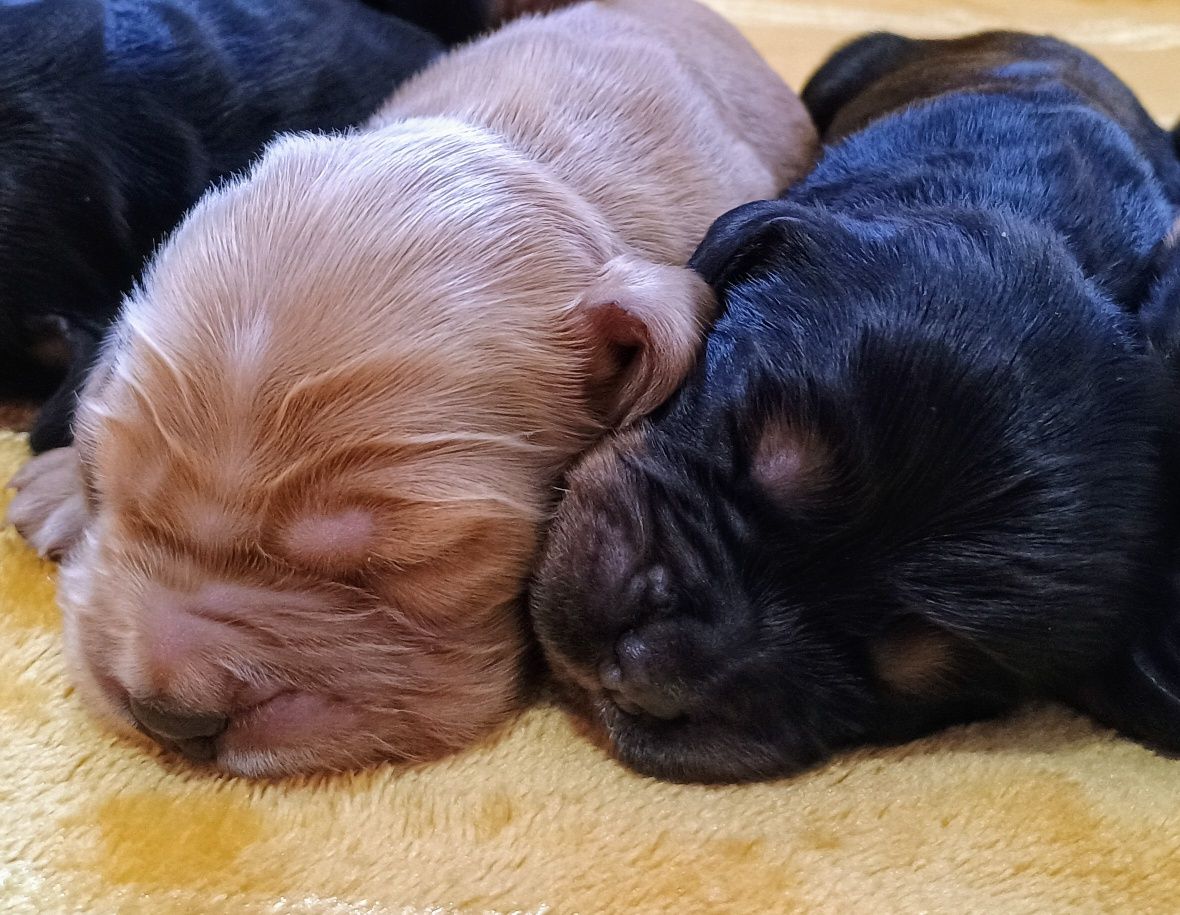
(1040,813)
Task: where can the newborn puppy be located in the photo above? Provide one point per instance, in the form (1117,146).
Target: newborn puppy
(116,116)
(919,472)
(321,442)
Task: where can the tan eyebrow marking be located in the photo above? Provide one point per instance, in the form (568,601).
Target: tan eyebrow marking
(332,538)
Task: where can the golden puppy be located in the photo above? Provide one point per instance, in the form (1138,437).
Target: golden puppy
(320,446)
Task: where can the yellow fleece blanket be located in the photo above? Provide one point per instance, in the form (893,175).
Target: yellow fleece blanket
(1041,813)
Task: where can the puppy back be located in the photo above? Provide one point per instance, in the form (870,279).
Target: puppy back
(656,111)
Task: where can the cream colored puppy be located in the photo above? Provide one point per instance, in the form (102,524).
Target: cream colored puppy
(314,462)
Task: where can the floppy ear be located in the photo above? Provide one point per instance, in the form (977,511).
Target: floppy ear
(741,241)
(647,324)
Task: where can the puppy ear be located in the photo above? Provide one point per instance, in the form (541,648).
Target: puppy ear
(647,324)
(741,240)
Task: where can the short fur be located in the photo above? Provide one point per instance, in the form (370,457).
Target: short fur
(116,115)
(325,435)
(922,470)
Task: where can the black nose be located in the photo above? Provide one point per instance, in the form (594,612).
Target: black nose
(191,735)
(640,677)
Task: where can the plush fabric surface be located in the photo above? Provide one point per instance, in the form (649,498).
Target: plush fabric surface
(1040,813)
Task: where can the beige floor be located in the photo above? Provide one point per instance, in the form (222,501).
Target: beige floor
(1138,39)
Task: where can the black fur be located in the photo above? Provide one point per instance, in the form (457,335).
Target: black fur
(926,429)
(115,115)
(1160,315)
(451,21)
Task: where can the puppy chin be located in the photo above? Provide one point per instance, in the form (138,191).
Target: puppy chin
(702,751)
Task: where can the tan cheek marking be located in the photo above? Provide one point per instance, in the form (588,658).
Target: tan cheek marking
(343,537)
(788,461)
(916,662)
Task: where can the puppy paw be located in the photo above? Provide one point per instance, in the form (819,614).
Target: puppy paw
(49,508)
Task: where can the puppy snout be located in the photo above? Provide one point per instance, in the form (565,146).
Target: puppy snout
(193,735)
(640,677)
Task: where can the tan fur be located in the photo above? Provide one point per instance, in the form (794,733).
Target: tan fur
(397,339)
(917,660)
(789,463)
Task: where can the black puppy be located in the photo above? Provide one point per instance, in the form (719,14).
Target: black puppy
(116,115)
(921,471)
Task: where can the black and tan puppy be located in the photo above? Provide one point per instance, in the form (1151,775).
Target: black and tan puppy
(920,472)
(116,115)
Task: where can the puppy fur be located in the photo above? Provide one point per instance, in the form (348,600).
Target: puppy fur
(324,437)
(924,467)
(117,115)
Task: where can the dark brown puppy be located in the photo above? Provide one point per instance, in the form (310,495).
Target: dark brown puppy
(922,469)
(883,73)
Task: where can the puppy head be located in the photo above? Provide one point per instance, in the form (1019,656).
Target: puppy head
(321,441)
(860,516)
(681,610)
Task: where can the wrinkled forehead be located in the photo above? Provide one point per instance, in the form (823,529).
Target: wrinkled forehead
(628,477)
(322,504)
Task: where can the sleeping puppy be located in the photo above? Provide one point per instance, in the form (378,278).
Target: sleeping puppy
(116,116)
(920,470)
(313,461)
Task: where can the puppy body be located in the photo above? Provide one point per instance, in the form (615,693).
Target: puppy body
(883,74)
(322,439)
(921,470)
(117,115)
(689,103)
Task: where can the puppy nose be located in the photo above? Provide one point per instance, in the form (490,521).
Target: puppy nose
(191,735)
(638,678)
